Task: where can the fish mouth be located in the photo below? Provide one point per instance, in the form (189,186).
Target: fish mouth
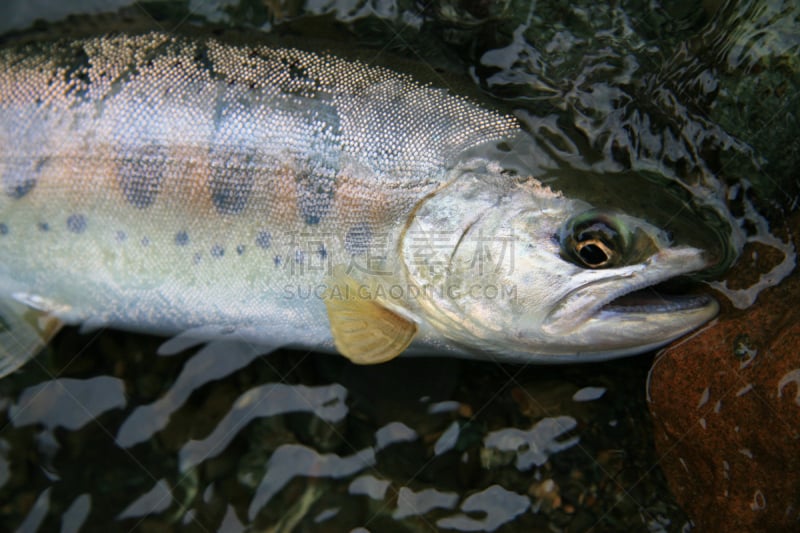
(633,296)
(653,300)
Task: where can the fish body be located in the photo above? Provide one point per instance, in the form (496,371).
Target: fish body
(171,184)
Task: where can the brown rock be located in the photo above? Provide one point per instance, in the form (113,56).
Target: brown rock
(726,409)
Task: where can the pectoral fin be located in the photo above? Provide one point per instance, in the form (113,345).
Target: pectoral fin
(364,330)
(23,334)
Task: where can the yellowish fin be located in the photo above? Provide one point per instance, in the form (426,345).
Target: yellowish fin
(364,329)
(23,334)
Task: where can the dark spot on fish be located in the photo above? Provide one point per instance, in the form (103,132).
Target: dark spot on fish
(76,223)
(297,72)
(141,173)
(323,253)
(3,229)
(240,249)
(203,61)
(277,260)
(299,256)
(43,226)
(19,188)
(503,146)
(232,178)
(145,241)
(21,177)
(316,185)
(79,86)
(76,75)
(197,258)
(130,72)
(217,251)
(314,197)
(264,239)
(181,238)
(358,239)
(299,82)
(121,236)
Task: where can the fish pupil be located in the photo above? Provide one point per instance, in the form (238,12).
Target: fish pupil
(592,254)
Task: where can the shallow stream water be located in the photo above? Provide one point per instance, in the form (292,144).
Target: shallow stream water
(683,111)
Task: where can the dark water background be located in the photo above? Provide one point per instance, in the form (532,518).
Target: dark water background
(685,111)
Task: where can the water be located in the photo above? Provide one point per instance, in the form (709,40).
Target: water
(296,440)
(691,105)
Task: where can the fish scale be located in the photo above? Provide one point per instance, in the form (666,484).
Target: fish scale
(169,183)
(156,136)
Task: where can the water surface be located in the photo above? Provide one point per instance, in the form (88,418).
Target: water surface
(684,112)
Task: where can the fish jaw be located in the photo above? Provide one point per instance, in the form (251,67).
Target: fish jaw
(595,315)
(661,327)
(588,301)
(619,311)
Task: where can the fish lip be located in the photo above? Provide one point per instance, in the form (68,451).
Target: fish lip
(656,303)
(572,311)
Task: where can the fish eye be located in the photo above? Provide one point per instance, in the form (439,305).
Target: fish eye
(594,253)
(593,239)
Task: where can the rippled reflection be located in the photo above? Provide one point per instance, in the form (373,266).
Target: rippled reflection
(67,403)
(683,110)
(497,504)
(534,447)
(281,454)
(272,399)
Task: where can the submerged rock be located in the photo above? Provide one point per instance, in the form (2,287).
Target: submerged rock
(726,408)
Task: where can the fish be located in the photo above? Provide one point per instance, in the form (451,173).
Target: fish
(193,187)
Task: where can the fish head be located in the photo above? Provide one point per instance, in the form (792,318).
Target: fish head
(508,267)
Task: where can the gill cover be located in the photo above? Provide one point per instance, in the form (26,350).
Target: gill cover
(505,265)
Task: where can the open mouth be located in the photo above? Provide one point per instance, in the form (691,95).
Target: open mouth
(650,300)
(653,292)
